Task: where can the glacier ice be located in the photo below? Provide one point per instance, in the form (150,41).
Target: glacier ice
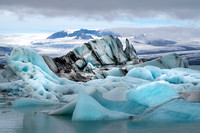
(166,62)
(98,54)
(50,64)
(153,94)
(13,88)
(175,110)
(146,92)
(114,104)
(68,109)
(39,81)
(87,108)
(140,73)
(130,51)
(91,107)
(120,106)
(114,72)
(191,95)
(107,54)
(116,94)
(24,102)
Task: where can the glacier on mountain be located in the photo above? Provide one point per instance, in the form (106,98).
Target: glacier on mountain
(82,34)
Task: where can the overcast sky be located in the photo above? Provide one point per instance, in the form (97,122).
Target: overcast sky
(28,16)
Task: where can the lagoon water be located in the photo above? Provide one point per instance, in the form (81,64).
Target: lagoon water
(31,120)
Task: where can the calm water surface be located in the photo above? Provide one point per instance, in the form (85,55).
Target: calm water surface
(31,120)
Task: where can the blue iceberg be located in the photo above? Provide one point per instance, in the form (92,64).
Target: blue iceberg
(146,92)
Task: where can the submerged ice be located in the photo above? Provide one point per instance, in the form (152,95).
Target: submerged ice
(155,90)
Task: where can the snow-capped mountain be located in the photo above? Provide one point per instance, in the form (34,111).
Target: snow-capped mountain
(148,42)
(82,34)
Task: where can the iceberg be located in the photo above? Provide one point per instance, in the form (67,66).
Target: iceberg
(13,88)
(116,94)
(165,62)
(153,94)
(24,102)
(39,81)
(130,51)
(104,57)
(191,95)
(87,108)
(176,110)
(140,73)
(123,91)
(68,109)
(92,57)
(113,105)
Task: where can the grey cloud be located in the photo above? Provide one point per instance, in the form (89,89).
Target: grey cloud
(109,9)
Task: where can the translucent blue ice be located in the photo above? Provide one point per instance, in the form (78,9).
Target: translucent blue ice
(153,94)
(146,91)
(87,108)
(140,73)
(175,110)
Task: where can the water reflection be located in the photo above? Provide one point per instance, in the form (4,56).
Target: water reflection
(31,120)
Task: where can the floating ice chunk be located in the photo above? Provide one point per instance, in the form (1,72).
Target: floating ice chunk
(191,95)
(87,108)
(98,76)
(175,79)
(50,63)
(39,81)
(8,75)
(68,109)
(184,63)
(175,110)
(171,61)
(140,72)
(12,86)
(180,76)
(130,51)
(26,55)
(3,78)
(22,102)
(80,64)
(120,106)
(155,71)
(89,67)
(166,62)
(81,50)
(153,94)
(69,98)
(116,94)
(114,72)
(92,60)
